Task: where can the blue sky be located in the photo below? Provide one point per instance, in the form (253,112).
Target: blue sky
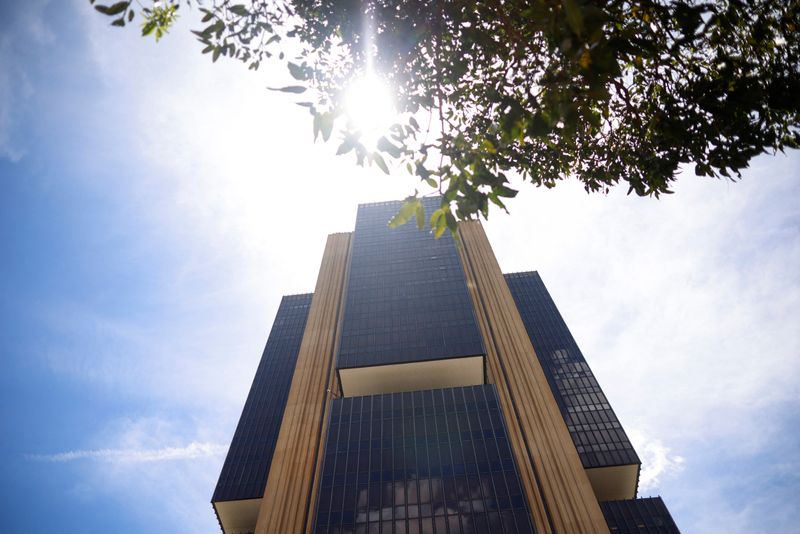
(156,207)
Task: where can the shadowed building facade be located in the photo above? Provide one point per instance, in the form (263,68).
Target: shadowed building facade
(419,390)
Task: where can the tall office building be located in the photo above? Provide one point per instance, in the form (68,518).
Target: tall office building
(419,390)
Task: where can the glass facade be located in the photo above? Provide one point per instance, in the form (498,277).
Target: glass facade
(594,426)
(639,516)
(422,462)
(244,473)
(407,297)
(398,456)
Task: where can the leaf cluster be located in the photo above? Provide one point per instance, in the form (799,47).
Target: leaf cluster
(605,91)
(158,19)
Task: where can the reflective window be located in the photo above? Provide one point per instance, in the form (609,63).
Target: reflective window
(422,462)
(244,474)
(639,516)
(594,426)
(407,298)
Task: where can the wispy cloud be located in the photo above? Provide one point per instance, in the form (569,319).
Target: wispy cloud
(9,96)
(658,461)
(165,485)
(25,29)
(190,451)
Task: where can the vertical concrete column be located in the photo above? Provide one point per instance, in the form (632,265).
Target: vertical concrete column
(288,497)
(559,492)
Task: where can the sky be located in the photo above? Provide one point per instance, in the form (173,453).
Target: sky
(154,208)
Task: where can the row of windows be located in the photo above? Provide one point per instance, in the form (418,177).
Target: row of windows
(374,329)
(501,487)
(598,419)
(638,516)
(400,302)
(592,423)
(432,451)
(420,470)
(411,403)
(389,465)
(244,473)
(407,298)
(579,383)
(507,522)
(366,427)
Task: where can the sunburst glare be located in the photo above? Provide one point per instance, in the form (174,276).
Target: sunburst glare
(370,107)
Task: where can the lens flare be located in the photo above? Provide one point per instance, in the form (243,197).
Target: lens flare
(370,107)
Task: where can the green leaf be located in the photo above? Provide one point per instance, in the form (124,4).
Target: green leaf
(503,191)
(239,10)
(420,213)
(217,28)
(317,121)
(378,159)
(148,27)
(438,223)
(119,22)
(574,16)
(451,221)
(385,146)
(347,145)
(296,89)
(297,72)
(326,125)
(113,9)
(407,210)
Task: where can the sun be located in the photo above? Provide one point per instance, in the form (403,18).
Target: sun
(370,107)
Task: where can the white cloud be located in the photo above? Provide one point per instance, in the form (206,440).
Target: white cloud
(658,461)
(25,30)
(9,148)
(134,460)
(190,451)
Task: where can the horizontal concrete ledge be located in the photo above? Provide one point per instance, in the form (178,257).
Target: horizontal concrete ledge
(615,482)
(238,517)
(413,376)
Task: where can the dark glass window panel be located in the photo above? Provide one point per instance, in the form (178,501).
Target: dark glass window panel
(407,298)
(244,473)
(639,516)
(594,426)
(413,496)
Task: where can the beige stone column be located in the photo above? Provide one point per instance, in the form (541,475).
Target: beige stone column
(559,492)
(288,503)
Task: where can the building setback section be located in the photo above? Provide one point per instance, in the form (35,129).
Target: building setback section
(244,474)
(419,461)
(407,299)
(593,425)
(639,516)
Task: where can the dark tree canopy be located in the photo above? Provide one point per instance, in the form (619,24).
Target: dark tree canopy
(603,91)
